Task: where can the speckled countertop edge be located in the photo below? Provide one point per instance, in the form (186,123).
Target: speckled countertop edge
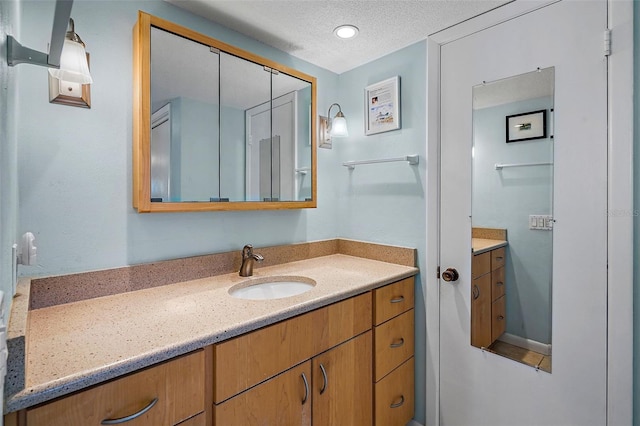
(483,245)
(19,395)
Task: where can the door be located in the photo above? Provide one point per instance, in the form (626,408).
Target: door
(478,387)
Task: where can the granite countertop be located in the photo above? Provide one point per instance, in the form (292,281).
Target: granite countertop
(482,245)
(79,344)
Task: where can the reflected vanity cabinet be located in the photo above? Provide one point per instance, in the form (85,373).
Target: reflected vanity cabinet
(488,298)
(216,127)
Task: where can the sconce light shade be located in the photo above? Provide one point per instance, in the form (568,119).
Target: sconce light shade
(73,64)
(339,126)
(73,61)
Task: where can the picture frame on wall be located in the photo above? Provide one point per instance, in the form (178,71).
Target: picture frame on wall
(526,126)
(382,106)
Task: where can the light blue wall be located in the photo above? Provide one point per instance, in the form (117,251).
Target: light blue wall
(386,202)
(75,164)
(9,18)
(505,199)
(636,230)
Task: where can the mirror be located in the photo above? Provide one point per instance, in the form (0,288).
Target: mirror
(512,217)
(218,128)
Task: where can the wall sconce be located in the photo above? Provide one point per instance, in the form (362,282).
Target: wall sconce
(330,128)
(66,60)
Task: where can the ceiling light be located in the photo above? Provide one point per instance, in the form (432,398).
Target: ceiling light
(346,31)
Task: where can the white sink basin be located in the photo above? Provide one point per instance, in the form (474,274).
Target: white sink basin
(268,288)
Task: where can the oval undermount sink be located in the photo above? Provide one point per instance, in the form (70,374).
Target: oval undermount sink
(268,288)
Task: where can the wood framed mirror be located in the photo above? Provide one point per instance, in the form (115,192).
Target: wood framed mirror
(216,127)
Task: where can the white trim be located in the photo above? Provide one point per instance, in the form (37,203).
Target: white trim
(432,290)
(521,342)
(620,216)
(489,19)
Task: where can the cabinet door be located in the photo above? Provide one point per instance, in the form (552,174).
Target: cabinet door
(342,386)
(282,400)
(481,311)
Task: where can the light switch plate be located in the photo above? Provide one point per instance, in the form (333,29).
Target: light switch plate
(541,222)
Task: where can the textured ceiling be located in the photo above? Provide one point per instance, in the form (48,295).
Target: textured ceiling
(304,28)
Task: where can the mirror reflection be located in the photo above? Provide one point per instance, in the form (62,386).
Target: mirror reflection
(225,128)
(512,217)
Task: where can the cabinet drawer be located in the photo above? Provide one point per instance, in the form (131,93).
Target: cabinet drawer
(178,386)
(394,343)
(199,420)
(394,397)
(497,258)
(392,300)
(497,283)
(498,321)
(480,264)
(252,358)
(282,400)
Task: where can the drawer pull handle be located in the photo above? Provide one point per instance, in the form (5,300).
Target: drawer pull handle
(476,292)
(499,283)
(500,317)
(499,258)
(324,378)
(306,389)
(397,299)
(398,404)
(131,416)
(397,345)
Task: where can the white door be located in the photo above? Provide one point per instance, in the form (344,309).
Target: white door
(478,387)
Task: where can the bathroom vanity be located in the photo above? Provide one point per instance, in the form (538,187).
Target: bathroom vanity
(488,300)
(190,353)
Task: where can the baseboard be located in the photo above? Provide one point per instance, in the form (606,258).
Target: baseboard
(532,345)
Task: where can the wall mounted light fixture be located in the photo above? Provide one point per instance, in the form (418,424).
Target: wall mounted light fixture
(332,128)
(66,60)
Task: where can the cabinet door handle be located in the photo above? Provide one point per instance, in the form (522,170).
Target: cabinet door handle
(398,404)
(131,416)
(324,378)
(476,292)
(499,283)
(398,344)
(500,317)
(397,299)
(499,258)
(306,388)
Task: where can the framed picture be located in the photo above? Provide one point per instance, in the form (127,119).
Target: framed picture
(382,106)
(527,126)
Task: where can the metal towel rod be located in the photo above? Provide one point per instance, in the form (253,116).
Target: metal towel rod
(412,159)
(504,166)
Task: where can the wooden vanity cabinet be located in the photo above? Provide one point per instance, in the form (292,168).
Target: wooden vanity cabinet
(393,330)
(178,386)
(488,300)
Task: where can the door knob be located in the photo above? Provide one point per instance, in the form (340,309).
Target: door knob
(450,275)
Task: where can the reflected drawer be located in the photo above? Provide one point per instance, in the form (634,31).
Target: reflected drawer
(497,283)
(499,320)
(497,258)
(480,264)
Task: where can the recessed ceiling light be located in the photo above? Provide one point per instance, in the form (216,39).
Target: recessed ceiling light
(346,31)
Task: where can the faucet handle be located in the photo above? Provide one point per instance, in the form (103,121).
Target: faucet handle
(247,251)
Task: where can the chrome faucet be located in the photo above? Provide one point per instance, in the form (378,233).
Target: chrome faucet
(248,256)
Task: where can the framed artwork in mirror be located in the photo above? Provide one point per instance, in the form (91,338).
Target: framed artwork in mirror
(527,126)
(382,106)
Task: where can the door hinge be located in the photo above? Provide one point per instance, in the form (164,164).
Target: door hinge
(607,42)
(214,50)
(438,273)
